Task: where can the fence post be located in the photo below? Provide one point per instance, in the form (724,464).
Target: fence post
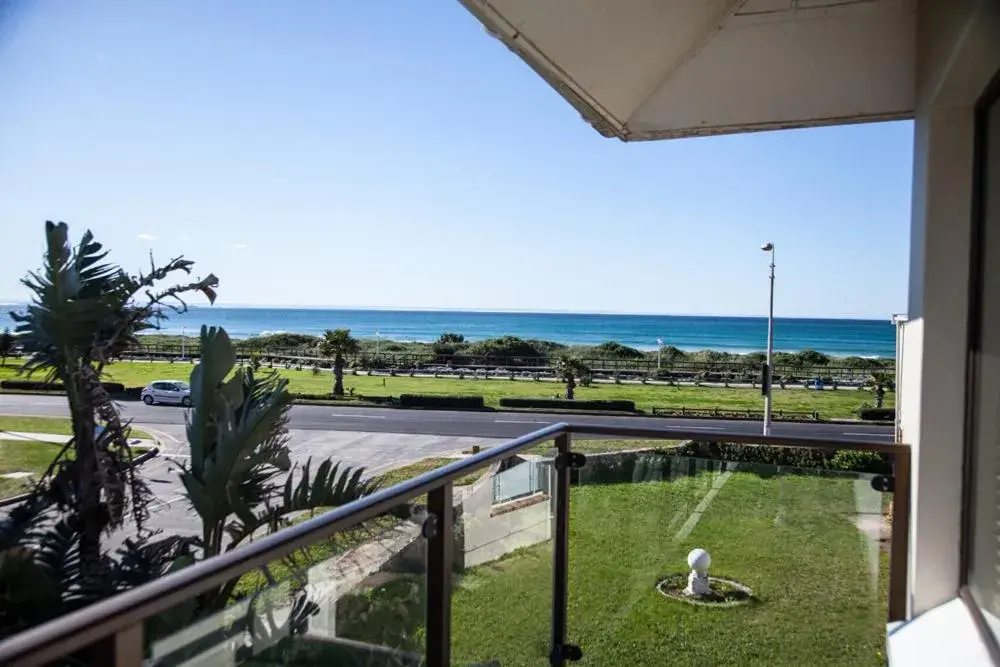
(128,646)
(899,547)
(438,529)
(560,564)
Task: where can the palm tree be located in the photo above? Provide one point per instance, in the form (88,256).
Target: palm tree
(6,346)
(879,382)
(83,311)
(238,436)
(336,344)
(569,369)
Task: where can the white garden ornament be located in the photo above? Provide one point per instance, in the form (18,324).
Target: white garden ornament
(699,562)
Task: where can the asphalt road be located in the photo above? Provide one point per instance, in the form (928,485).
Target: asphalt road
(457,423)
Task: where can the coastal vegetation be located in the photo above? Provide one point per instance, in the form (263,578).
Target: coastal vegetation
(843,402)
(453,344)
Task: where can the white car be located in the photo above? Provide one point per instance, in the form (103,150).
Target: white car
(167,391)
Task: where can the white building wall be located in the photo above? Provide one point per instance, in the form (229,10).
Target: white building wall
(958,51)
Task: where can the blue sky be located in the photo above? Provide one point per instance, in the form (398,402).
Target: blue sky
(391,154)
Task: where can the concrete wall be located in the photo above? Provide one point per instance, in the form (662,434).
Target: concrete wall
(957,53)
(487,532)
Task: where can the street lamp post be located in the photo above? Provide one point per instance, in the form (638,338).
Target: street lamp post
(659,352)
(183,353)
(769,371)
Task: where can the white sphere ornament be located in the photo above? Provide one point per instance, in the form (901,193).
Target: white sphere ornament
(699,561)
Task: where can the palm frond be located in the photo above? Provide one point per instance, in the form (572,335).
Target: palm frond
(140,561)
(331,486)
(24,522)
(57,552)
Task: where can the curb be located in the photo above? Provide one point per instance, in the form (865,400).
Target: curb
(610,413)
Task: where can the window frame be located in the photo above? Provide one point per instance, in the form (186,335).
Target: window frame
(987,103)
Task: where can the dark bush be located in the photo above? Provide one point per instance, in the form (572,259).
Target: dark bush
(829,459)
(781,456)
(280,341)
(614,349)
(565,404)
(448,343)
(312,397)
(434,401)
(733,413)
(877,414)
(514,350)
(38,385)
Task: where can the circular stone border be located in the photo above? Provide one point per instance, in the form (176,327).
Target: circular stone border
(733,593)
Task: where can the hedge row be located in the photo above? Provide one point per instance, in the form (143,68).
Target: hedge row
(877,414)
(566,404)
(737,414)
(829,459)
(434,401)
(37,385)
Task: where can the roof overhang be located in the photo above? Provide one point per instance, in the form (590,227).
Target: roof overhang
(659,69)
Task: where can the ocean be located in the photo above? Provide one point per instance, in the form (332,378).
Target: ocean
(867,338)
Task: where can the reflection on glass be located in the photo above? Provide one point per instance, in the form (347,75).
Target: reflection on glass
(502,595)
(810,544)
(356,599)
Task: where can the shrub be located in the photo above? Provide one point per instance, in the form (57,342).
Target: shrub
(848,460)
(870,462)
(279,341)
(515,350)
(763,454)
(448,343)
(877,414)
(614,349)
(435,401)
(564,404)
(313,397)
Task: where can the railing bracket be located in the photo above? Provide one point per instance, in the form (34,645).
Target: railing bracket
(429,528)
(884,483)
(570,460)
(565,653)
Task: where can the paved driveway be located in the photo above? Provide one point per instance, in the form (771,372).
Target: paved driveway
(377,452)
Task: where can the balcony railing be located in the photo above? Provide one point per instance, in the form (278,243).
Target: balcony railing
(581,564)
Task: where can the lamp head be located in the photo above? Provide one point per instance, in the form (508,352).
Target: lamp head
(767,247)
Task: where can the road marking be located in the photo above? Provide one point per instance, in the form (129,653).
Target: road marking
(872,435)
(166,503)
(702,428)
(516,421)
(337,414)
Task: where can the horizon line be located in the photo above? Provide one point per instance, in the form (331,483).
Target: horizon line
(512,311)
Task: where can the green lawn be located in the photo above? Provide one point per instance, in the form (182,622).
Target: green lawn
(791,538)
(52,425)
(839,403)
(27,456)
(21,456)
(401,474)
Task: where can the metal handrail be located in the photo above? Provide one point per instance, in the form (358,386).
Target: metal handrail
(121,614)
